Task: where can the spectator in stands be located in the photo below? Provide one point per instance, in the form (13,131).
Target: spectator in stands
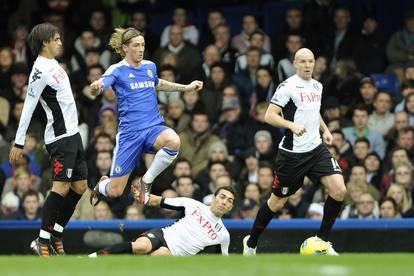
(176,118)
(388,209)
(102,166)
(215,169)
(249,209)
(321,72)
(399,194)
(406,89)
(344,84)
(250,171)
(264,145)
(211,55)
(367,207)
(241,41)
(20,48)
(409,71)
(185,187)
(298,204)
(382,120)
(168,73)
(30,209)
(98,22)
(374,169)
(403,177)
(355,189)
(257,123)
(212,95)
(196,141)
(257,39)
(400,47)
(369,51)
(214,18)
(245,80)
(264,90)
(332,108)
(222,39)
(265,180)
(360,129)
(86,40)
(134,212)
(19,77)
(397,155)
(293,24)
(6,64)
(359,174)
(401,120)
(180,18)
(341,40)
(231,128)
(192,102)
(405,139)
(315,211)
(252,190)
(140,21)
(13,200)
(285,68)
(409,108)
(188,57)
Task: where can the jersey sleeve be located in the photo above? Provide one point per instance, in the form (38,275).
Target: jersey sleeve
(281,96)
(154,72)
(225,244)
(109,77)
(37,82)
(177,203)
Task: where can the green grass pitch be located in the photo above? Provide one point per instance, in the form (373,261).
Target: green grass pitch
(212,265)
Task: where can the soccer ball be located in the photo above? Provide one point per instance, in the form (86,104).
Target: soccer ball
(314,246)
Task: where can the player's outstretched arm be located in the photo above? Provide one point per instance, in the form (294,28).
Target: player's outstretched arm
(273,118)
(168,86)
(153,201)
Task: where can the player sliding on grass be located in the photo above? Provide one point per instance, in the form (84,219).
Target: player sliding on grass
(141,127)
(200,227)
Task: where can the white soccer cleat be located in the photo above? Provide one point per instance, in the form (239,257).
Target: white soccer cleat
(331,250)
(248,251)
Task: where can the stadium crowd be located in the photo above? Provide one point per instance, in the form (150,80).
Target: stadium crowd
(368,104)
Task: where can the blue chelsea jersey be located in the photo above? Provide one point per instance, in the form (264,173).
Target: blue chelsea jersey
(137,97)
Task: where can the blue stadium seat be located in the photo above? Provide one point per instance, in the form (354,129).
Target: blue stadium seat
(387,82)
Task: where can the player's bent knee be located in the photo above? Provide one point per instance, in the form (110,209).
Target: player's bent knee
(142,245)
(174,142)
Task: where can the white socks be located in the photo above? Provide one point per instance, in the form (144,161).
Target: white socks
(162,160)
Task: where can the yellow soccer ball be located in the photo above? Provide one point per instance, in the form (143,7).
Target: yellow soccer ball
(314,246)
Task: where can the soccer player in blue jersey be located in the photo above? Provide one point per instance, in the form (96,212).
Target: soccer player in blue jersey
(141,128)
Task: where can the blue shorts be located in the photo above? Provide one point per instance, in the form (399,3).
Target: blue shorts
(130,146)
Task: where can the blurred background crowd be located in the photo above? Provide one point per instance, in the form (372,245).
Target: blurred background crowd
(364,54)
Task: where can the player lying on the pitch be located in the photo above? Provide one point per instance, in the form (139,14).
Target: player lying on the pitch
(200,227)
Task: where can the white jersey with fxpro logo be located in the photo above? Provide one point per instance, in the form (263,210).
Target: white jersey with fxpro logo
(49,83)
(300,101)
(198,229)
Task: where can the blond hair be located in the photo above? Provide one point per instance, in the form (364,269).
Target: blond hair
(121,37)
(403,206)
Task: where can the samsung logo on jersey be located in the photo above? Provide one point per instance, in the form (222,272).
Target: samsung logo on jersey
(142,84)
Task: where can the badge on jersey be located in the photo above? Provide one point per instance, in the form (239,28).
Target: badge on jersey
(285,190)
(149,73)
(118,169)
(69,173)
